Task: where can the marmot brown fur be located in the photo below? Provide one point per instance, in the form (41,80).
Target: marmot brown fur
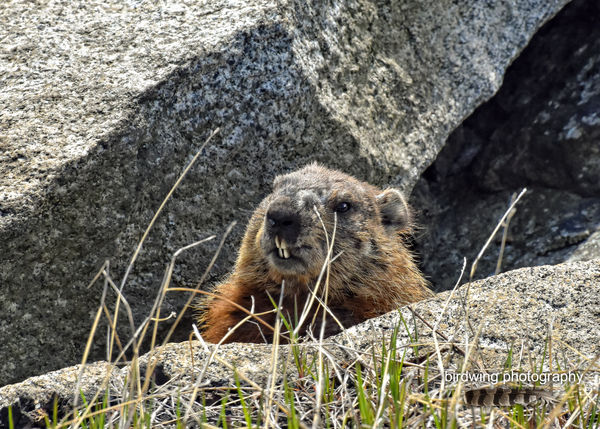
(286,243)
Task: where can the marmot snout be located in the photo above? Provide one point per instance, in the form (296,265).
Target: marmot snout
(286,241)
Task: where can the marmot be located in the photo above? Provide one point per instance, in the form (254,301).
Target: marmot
(286,243)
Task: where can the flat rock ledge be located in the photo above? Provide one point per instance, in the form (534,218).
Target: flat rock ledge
(519,310)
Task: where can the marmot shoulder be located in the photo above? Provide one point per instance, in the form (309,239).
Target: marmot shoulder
(285,249)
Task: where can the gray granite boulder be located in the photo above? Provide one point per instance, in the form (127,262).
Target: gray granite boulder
(519,311)
(101,108)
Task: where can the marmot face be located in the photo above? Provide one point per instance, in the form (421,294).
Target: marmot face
(292,238)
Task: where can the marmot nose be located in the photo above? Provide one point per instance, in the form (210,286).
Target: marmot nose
(283,223)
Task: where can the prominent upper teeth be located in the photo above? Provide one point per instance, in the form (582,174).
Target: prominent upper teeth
(282,247)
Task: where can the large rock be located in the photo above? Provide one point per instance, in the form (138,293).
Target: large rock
(102,105)
(540,131)
(517,311)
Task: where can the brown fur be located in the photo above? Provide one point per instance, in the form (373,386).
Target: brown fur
(374,274)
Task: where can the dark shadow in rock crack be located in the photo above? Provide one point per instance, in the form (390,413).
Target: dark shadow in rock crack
(540,131)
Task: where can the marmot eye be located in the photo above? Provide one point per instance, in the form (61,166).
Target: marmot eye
(342,207)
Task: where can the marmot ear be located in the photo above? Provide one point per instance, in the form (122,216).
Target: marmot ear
(395,213)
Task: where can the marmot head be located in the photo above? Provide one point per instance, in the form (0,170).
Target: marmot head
(290,224)
(285,249)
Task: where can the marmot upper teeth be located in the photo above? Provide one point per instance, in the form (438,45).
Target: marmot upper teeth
(282,248)
(280,243)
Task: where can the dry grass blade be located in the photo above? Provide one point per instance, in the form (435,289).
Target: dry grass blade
(434,332)
(164,285)
(308,305)
(202,279)
(92,333)
(154,218)
(505,225)
(493,234)
(158,303)
(274,355)
(469,350)
(326,266)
